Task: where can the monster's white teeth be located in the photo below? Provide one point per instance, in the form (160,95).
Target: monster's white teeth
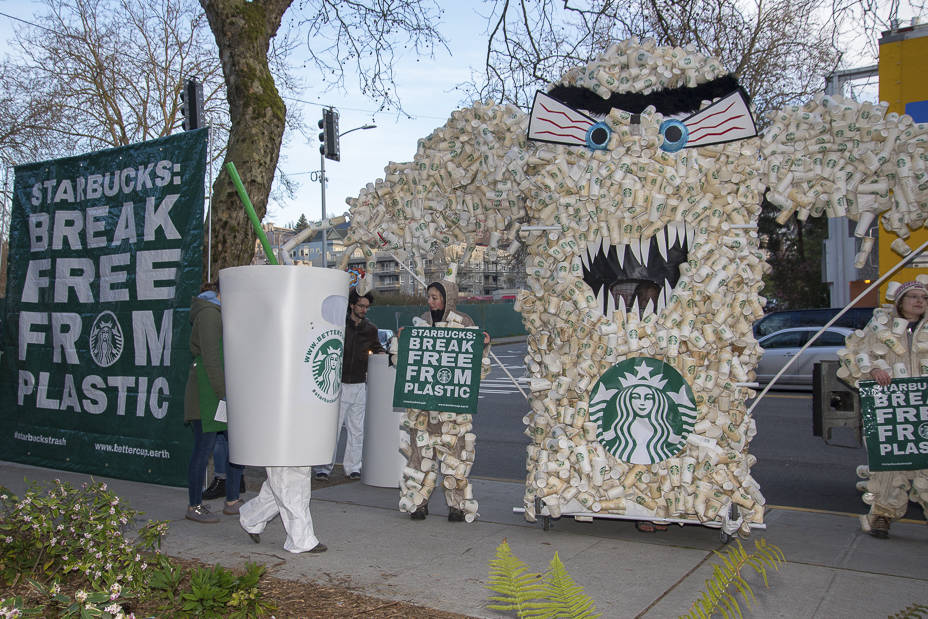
(620,253)
(666,291)
(635,309)
(662,244)
(645,250)
(648,308)
(610,304)
(674,230)
(622,305)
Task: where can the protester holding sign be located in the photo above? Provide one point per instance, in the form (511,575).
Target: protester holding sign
(893,346)
(204,397)
(440,442)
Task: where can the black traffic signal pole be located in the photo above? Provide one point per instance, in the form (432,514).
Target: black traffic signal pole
(191,104)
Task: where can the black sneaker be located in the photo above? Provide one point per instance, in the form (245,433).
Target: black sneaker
(420,513)
(321,476)
(241,486)
(355,475)
(216,489)
(879,526)
(455,515)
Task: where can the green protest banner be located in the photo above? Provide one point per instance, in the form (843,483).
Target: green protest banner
(105,255)
(438,369)
(895,421)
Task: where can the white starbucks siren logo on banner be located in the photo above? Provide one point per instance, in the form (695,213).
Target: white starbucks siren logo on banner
(644,410)
(325,359)
(106,339)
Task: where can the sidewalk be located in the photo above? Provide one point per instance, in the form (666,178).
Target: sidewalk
(832,568)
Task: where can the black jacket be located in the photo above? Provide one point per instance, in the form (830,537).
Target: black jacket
(360,341)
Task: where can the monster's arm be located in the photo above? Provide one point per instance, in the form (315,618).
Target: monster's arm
(837,157)
(464,186)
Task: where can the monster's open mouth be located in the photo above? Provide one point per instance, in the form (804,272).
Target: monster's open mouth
(638,276)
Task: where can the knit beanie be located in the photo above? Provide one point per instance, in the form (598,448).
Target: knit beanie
(908,287)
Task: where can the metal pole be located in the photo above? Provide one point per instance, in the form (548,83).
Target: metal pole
(325,263)
(209,205)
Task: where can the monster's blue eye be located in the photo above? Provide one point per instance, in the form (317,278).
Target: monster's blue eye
(675,135)
(597,136)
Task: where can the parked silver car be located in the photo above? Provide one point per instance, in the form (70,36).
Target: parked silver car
(783,345)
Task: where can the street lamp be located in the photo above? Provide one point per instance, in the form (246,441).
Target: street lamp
(322,152)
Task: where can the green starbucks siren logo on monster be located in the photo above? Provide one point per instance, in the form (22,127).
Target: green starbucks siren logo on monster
(325,359)
(644,410)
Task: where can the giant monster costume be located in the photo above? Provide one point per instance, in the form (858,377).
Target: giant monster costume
(635,186)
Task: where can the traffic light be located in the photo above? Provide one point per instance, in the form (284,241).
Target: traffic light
(329,134)
(191,104)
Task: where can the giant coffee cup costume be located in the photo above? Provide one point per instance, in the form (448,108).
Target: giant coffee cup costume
(635,187)
(892,346)
(440,443)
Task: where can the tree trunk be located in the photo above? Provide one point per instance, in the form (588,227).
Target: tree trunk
(243,31)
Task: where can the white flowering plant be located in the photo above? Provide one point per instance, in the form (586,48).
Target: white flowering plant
(84,537)
(81,603)
(81,552)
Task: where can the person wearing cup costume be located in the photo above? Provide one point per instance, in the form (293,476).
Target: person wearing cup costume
(635,186)
(894,344)
(440,442)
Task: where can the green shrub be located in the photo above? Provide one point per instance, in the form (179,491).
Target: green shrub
(81,557)
(59,530)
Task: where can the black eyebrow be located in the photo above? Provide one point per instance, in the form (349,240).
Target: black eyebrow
(683,99)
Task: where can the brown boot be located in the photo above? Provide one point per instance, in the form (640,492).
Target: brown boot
(879,526)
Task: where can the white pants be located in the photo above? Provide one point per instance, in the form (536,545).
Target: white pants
(287,492)
(351,407)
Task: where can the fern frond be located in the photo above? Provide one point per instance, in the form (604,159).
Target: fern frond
(563,596)
(758,567)
(717,597)
(913,611)
(509,577)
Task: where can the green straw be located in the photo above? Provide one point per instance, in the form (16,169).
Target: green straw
(256,224)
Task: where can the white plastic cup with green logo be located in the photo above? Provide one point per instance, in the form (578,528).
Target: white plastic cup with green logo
(283,339)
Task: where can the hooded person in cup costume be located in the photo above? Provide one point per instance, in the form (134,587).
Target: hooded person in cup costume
(635,185)
(439,441)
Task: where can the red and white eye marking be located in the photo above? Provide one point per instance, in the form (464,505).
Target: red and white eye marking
(726,120)
(552,121)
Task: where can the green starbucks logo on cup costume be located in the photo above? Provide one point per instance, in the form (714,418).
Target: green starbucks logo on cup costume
(644,410)
(325,358)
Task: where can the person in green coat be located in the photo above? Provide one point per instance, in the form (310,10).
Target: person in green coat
(206,346)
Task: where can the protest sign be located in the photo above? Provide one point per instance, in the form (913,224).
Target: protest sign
(895,420)
(438,369)
(105,256)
